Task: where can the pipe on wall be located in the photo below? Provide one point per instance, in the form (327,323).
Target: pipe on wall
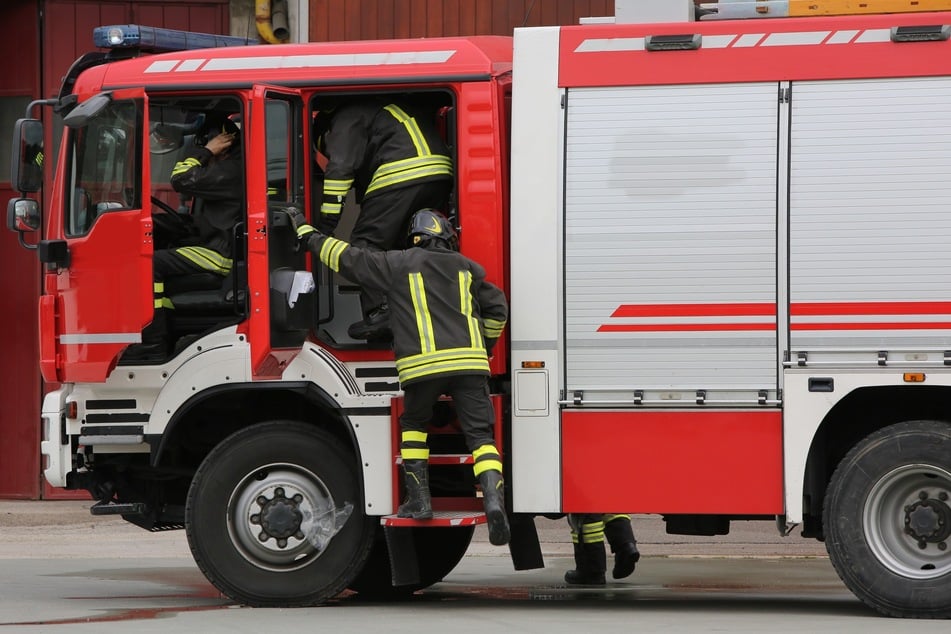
(271,19)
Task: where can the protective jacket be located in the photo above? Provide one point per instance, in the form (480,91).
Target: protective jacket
(443,313)
(372,147)
(218,185)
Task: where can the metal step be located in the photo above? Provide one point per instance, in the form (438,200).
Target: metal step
(111,508)
(445,459)
(440,519)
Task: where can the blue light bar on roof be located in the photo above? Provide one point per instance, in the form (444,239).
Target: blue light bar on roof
(161,40)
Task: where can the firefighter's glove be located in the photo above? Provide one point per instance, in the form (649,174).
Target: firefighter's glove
(299,222)
(326,223)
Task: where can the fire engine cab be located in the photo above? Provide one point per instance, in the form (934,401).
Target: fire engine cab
(724,242)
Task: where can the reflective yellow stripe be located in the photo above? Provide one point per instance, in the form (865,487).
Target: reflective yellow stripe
(414,436)
(335,187)
(158,287)
(409,169)
(485,450)
(493,327)
(330,252)
(424,321)
(608,517)
(414,454)
(465,307)
(163,302)
(412,128)
(207,259)
(486,465)
(471,360)
(185,165)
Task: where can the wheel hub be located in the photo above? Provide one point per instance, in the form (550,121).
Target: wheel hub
(280,517)
(928,520)
(267,516)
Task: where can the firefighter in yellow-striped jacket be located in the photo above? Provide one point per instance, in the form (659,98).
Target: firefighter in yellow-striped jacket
(394,159)
(210,172)
(445,318)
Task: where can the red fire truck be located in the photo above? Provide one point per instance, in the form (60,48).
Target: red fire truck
(725,244)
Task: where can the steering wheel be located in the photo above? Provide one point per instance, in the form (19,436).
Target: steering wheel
(161,204)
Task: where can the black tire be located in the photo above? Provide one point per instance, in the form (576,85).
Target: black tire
(438,550)
(887,518)
(245,506)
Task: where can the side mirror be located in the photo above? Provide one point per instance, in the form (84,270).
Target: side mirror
(23,215)
(26,164)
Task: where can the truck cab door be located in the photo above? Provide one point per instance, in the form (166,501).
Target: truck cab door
(98,251)
(280,283)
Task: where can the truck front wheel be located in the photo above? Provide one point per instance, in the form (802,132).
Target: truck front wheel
(274,516)
(887,520)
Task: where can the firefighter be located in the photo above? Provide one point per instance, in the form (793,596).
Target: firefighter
(587,537)
(396,162)
(446,318)
(211,172)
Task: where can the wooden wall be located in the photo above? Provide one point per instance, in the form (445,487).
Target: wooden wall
(385,19)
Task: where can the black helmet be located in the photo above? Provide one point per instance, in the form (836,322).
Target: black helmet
(216,123)
(429,224)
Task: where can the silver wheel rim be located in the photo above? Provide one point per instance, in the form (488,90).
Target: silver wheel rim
(265,512)
(907,521)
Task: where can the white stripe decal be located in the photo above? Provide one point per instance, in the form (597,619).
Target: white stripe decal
(842,37)
(718,41)
(750,39)
(874,35)
(117,337)
(189,64)
(747,40)
(323,61)
(802,38)
(611,44)
(163,66)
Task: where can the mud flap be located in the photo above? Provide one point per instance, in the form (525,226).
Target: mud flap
(404,562)
(524,545)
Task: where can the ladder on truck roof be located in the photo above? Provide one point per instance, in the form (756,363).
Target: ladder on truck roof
(741,9)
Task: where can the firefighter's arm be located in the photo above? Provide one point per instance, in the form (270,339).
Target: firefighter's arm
(346,144)
(494,310)
(371,269)
(196,175)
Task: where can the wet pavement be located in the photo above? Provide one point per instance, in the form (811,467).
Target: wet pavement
(64,571)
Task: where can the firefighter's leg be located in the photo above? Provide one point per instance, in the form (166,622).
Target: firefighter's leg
(620,536)
(418,400)
(587,539)
(470,393)
(381,226)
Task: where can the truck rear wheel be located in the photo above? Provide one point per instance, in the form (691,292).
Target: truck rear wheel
(887,520)
(438,551)
(274,516)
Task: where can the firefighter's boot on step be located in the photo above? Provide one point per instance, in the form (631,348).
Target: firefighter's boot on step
(590,564)
(494,502)
(418,503)
(620,536)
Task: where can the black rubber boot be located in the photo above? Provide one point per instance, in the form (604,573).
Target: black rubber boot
(418,503)
(620,535)
(590,564)
(375,326)
(494,502)
(154,346)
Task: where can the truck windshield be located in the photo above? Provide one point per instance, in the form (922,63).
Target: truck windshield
(105,166)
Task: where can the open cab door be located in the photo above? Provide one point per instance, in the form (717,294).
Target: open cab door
(281,284)
(98,246)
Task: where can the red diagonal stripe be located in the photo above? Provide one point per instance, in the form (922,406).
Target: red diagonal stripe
(695,310)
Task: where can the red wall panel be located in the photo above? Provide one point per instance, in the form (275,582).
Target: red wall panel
(63,33)
(387,19)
